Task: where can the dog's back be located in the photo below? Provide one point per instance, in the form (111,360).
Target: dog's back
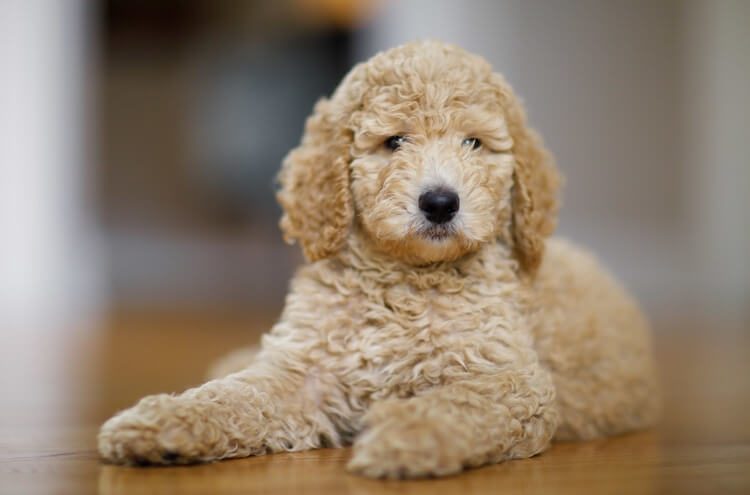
(596,343)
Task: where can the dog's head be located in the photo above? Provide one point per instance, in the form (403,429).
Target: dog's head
(428,152)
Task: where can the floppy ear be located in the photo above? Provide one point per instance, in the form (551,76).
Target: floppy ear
(314,182)
(536,182)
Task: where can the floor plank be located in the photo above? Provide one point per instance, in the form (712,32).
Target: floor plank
(58,385)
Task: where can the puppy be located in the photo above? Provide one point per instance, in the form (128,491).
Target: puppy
(435,325)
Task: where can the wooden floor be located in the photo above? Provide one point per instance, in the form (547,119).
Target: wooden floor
(57,386)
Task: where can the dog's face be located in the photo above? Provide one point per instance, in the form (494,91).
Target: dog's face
(432,163)
(426,150)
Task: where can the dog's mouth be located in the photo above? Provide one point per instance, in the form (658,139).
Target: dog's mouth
(437,233)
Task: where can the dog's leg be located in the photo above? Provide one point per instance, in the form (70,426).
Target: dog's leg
(259,410)
(468,423)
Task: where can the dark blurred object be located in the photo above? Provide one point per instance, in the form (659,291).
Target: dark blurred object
(125,22)
(198,112)
(199,102)
(249,110)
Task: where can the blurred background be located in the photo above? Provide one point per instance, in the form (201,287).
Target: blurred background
(139,140)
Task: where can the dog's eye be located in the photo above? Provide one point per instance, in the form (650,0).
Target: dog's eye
(394,142)
(474,143)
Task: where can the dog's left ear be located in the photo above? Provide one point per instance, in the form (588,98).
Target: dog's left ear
(314,180)
(536,182)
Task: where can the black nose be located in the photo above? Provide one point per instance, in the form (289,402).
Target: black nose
(439,205)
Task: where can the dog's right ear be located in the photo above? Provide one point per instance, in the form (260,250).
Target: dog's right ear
(314,180)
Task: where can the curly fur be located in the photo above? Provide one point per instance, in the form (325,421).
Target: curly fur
(430,353)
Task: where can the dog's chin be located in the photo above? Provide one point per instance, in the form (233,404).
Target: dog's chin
(437,243)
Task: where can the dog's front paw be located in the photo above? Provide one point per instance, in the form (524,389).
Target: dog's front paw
(157,430)
(398,443)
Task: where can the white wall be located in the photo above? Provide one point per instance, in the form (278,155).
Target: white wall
(49,264)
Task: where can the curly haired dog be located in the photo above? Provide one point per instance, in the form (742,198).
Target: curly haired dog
(435,326)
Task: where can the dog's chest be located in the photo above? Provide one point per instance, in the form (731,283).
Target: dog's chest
(414,335)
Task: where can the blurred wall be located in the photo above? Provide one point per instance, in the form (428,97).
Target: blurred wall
(50,266)
(717,152)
